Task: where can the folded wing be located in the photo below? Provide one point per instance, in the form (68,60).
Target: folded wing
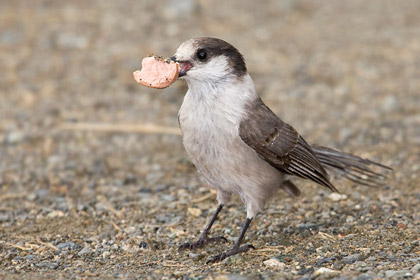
(280,145)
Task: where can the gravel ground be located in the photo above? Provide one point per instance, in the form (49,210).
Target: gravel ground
(87,204)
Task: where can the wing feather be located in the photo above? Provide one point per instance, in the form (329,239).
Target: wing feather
(280,145)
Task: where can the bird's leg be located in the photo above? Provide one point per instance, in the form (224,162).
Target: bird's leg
(237,248)
(204,238)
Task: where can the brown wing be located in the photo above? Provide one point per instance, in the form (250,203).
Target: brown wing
(280,145)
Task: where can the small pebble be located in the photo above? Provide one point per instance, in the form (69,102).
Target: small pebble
(306,270)
(337,197)
(274,262)
(195,256)
(14,137)
(307,227)
(398,274)
(416,269)
(29,257)
(349,219)
(232,276)
(321,261)
(143,245)
(106,254)
(55,214)
(84,251)
(4,218)
(352,258)
(326,272)
(68,245)
(194,211)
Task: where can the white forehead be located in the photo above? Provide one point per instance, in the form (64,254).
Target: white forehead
(186,50)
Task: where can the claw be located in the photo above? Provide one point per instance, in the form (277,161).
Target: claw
(201,242)
(234,251)
(219,239)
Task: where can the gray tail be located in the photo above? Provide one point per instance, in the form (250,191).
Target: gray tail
(351,167)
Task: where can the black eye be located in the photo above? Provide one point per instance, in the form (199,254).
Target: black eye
(201,54)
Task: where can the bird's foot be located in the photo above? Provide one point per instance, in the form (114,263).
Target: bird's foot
(201,242)
(234,251)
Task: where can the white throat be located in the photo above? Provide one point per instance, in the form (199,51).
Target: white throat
(219,102)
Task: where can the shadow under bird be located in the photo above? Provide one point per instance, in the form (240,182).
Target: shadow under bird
(239,145)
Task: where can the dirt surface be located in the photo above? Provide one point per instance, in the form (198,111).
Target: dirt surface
(86,204)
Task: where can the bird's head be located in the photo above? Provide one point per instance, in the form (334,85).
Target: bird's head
(209,60)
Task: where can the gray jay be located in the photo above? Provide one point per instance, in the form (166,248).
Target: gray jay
(239,145)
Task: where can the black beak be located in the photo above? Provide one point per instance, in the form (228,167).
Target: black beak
(173,58)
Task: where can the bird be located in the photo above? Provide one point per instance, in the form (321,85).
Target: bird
(240,146)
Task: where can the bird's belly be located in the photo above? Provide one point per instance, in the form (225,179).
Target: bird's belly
(227,163)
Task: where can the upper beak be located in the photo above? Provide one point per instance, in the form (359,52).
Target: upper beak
(184,66)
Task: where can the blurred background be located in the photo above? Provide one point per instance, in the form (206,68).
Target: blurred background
(343,73)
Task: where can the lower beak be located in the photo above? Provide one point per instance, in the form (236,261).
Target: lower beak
(183,66)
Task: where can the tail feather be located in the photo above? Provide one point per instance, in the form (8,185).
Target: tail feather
(352,167)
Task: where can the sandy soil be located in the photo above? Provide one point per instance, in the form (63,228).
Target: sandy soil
(80,204)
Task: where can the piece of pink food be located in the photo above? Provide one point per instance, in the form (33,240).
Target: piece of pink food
(156,72)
